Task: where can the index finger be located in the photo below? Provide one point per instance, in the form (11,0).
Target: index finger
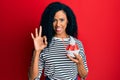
(78,56)
(40,31)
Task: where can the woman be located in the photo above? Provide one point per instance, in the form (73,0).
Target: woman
(58,27)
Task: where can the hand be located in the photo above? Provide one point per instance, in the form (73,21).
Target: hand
(77,59)
(39,42)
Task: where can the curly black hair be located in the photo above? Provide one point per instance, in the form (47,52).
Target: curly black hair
(48,18)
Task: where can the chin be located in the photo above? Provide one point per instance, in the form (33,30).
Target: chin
(58,33)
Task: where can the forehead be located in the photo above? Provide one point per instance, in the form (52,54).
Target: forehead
(60,14)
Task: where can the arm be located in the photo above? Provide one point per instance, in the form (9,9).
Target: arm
(80,65)
(39,44)
(81,69)
(80,61)
(33,73)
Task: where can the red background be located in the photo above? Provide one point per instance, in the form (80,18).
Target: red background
(98,21)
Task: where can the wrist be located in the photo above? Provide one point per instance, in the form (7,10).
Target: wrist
(80,63)
(37,52)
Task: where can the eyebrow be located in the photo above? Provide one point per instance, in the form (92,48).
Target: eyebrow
(60,18)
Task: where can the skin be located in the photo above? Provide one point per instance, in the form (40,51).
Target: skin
(59,25)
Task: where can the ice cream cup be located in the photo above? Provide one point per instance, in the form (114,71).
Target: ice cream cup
(71,53)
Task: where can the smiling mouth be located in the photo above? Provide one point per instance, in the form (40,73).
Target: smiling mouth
(58,29)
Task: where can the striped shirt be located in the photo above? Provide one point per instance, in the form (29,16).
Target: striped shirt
(56,64)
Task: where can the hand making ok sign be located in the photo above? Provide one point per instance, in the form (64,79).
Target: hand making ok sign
(39,42)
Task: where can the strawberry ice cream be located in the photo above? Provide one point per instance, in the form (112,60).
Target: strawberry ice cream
(72,48)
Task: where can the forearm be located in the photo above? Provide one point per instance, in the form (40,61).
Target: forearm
(34,66)
(81,70)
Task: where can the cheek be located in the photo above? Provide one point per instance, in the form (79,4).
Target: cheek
(65,25)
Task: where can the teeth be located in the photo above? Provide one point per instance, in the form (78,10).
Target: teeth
(58,29)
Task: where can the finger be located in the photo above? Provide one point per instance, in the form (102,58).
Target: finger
(36,32)
(32,35)
(40,31)
(45,39)
(77,56)
(71,58)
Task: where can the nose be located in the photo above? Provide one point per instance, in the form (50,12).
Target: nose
(58,23)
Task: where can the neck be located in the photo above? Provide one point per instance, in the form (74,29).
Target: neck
(62,36)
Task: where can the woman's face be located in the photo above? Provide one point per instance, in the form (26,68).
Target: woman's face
(60,23)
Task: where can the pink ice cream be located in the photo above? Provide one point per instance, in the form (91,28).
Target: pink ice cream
(72,48)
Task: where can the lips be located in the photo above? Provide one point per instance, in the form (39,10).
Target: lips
(58,29)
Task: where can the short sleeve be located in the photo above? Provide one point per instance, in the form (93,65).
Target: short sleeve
(82,53)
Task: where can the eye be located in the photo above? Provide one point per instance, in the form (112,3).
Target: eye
(61,20)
